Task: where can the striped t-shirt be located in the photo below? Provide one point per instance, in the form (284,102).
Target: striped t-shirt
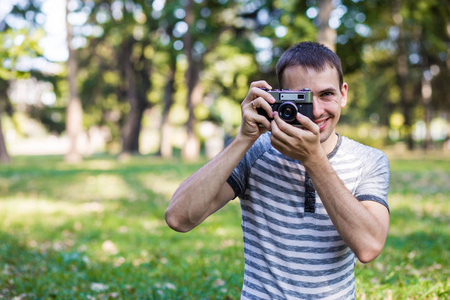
(292,250)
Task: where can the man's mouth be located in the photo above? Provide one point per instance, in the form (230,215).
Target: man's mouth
(321,123)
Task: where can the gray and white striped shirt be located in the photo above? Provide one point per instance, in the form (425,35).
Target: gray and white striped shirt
(292,250)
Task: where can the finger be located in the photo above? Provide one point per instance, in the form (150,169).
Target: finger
(278,129)
(277,138)
(251,115)
(275,129)
(263,123)
(252,118)
(307,122)
(262,103)
(260,84)
(257,92)
(285,127)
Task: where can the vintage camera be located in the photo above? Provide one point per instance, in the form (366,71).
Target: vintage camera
(288,103)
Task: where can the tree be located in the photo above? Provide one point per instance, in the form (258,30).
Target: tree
(191,148)
(118,66)
(16,44)
(138,83)
(412,42)
(165,132)
(5,106)
(326,34)
(74,110)
(208,25)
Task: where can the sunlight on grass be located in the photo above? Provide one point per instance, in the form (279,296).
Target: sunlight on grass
(97,230)
(160,184)
(96,164)
(97,187)
(20,208)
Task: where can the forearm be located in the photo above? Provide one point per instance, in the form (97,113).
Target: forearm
(196,197)
(361,230)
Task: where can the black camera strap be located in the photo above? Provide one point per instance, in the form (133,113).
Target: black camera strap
(310,195)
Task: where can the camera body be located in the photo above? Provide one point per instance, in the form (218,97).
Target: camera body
(288,103)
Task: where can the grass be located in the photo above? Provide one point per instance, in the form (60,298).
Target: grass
(415,261)
(97,230)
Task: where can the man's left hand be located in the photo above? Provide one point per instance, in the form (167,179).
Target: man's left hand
(297,142)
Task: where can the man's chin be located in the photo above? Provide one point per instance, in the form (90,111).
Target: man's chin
(325,136)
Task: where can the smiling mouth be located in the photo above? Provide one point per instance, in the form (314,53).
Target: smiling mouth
(321,123)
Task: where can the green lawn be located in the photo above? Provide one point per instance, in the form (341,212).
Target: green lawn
(97,230)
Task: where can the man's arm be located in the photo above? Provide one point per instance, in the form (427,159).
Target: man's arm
(207,190)
(362,225)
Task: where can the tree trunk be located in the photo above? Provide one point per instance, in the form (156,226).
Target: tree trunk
(4,156)
(165,145)
(326,35)
(426,100)
(426,92)
(74,111)
(5,107)
(406,93)
(132,127)
(191,149)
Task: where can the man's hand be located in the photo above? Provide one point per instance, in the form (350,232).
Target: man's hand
(300,143)
(254,124)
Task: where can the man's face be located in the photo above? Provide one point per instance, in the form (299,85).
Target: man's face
(328,96)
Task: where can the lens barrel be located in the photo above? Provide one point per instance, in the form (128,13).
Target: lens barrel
(287,111)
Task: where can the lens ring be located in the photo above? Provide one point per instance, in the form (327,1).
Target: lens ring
(287,111)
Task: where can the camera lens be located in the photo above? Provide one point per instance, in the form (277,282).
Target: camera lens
(287,111)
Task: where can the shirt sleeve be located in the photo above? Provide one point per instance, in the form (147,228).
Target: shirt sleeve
(239,176)
(374,185)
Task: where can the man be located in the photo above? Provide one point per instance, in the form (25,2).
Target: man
(312,201)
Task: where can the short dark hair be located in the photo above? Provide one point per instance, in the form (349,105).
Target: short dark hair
(309,55)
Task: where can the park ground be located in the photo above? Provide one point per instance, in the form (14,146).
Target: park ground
(96,230)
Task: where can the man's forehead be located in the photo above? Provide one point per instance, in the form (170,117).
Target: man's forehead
(309,69)
(295,71)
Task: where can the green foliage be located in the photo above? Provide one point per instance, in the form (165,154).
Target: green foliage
(233,43)
(16,45)
(97,229)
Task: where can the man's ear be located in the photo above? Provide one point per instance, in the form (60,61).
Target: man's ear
(344,91)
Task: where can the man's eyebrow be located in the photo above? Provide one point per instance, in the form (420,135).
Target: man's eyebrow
(330,89)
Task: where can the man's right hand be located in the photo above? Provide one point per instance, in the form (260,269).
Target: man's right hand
(254,124)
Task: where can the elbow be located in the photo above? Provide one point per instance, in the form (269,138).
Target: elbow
(368,254)
(366,257)
(174,222)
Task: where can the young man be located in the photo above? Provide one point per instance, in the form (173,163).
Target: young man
(312,201)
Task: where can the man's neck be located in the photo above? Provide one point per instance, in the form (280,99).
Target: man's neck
(330,143)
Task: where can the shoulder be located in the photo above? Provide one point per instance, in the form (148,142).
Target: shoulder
(361,151)
(368,159)
(258,149)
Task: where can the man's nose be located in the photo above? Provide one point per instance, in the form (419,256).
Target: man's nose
(317,108)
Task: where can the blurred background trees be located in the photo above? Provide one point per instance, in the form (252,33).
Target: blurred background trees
(167,77)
